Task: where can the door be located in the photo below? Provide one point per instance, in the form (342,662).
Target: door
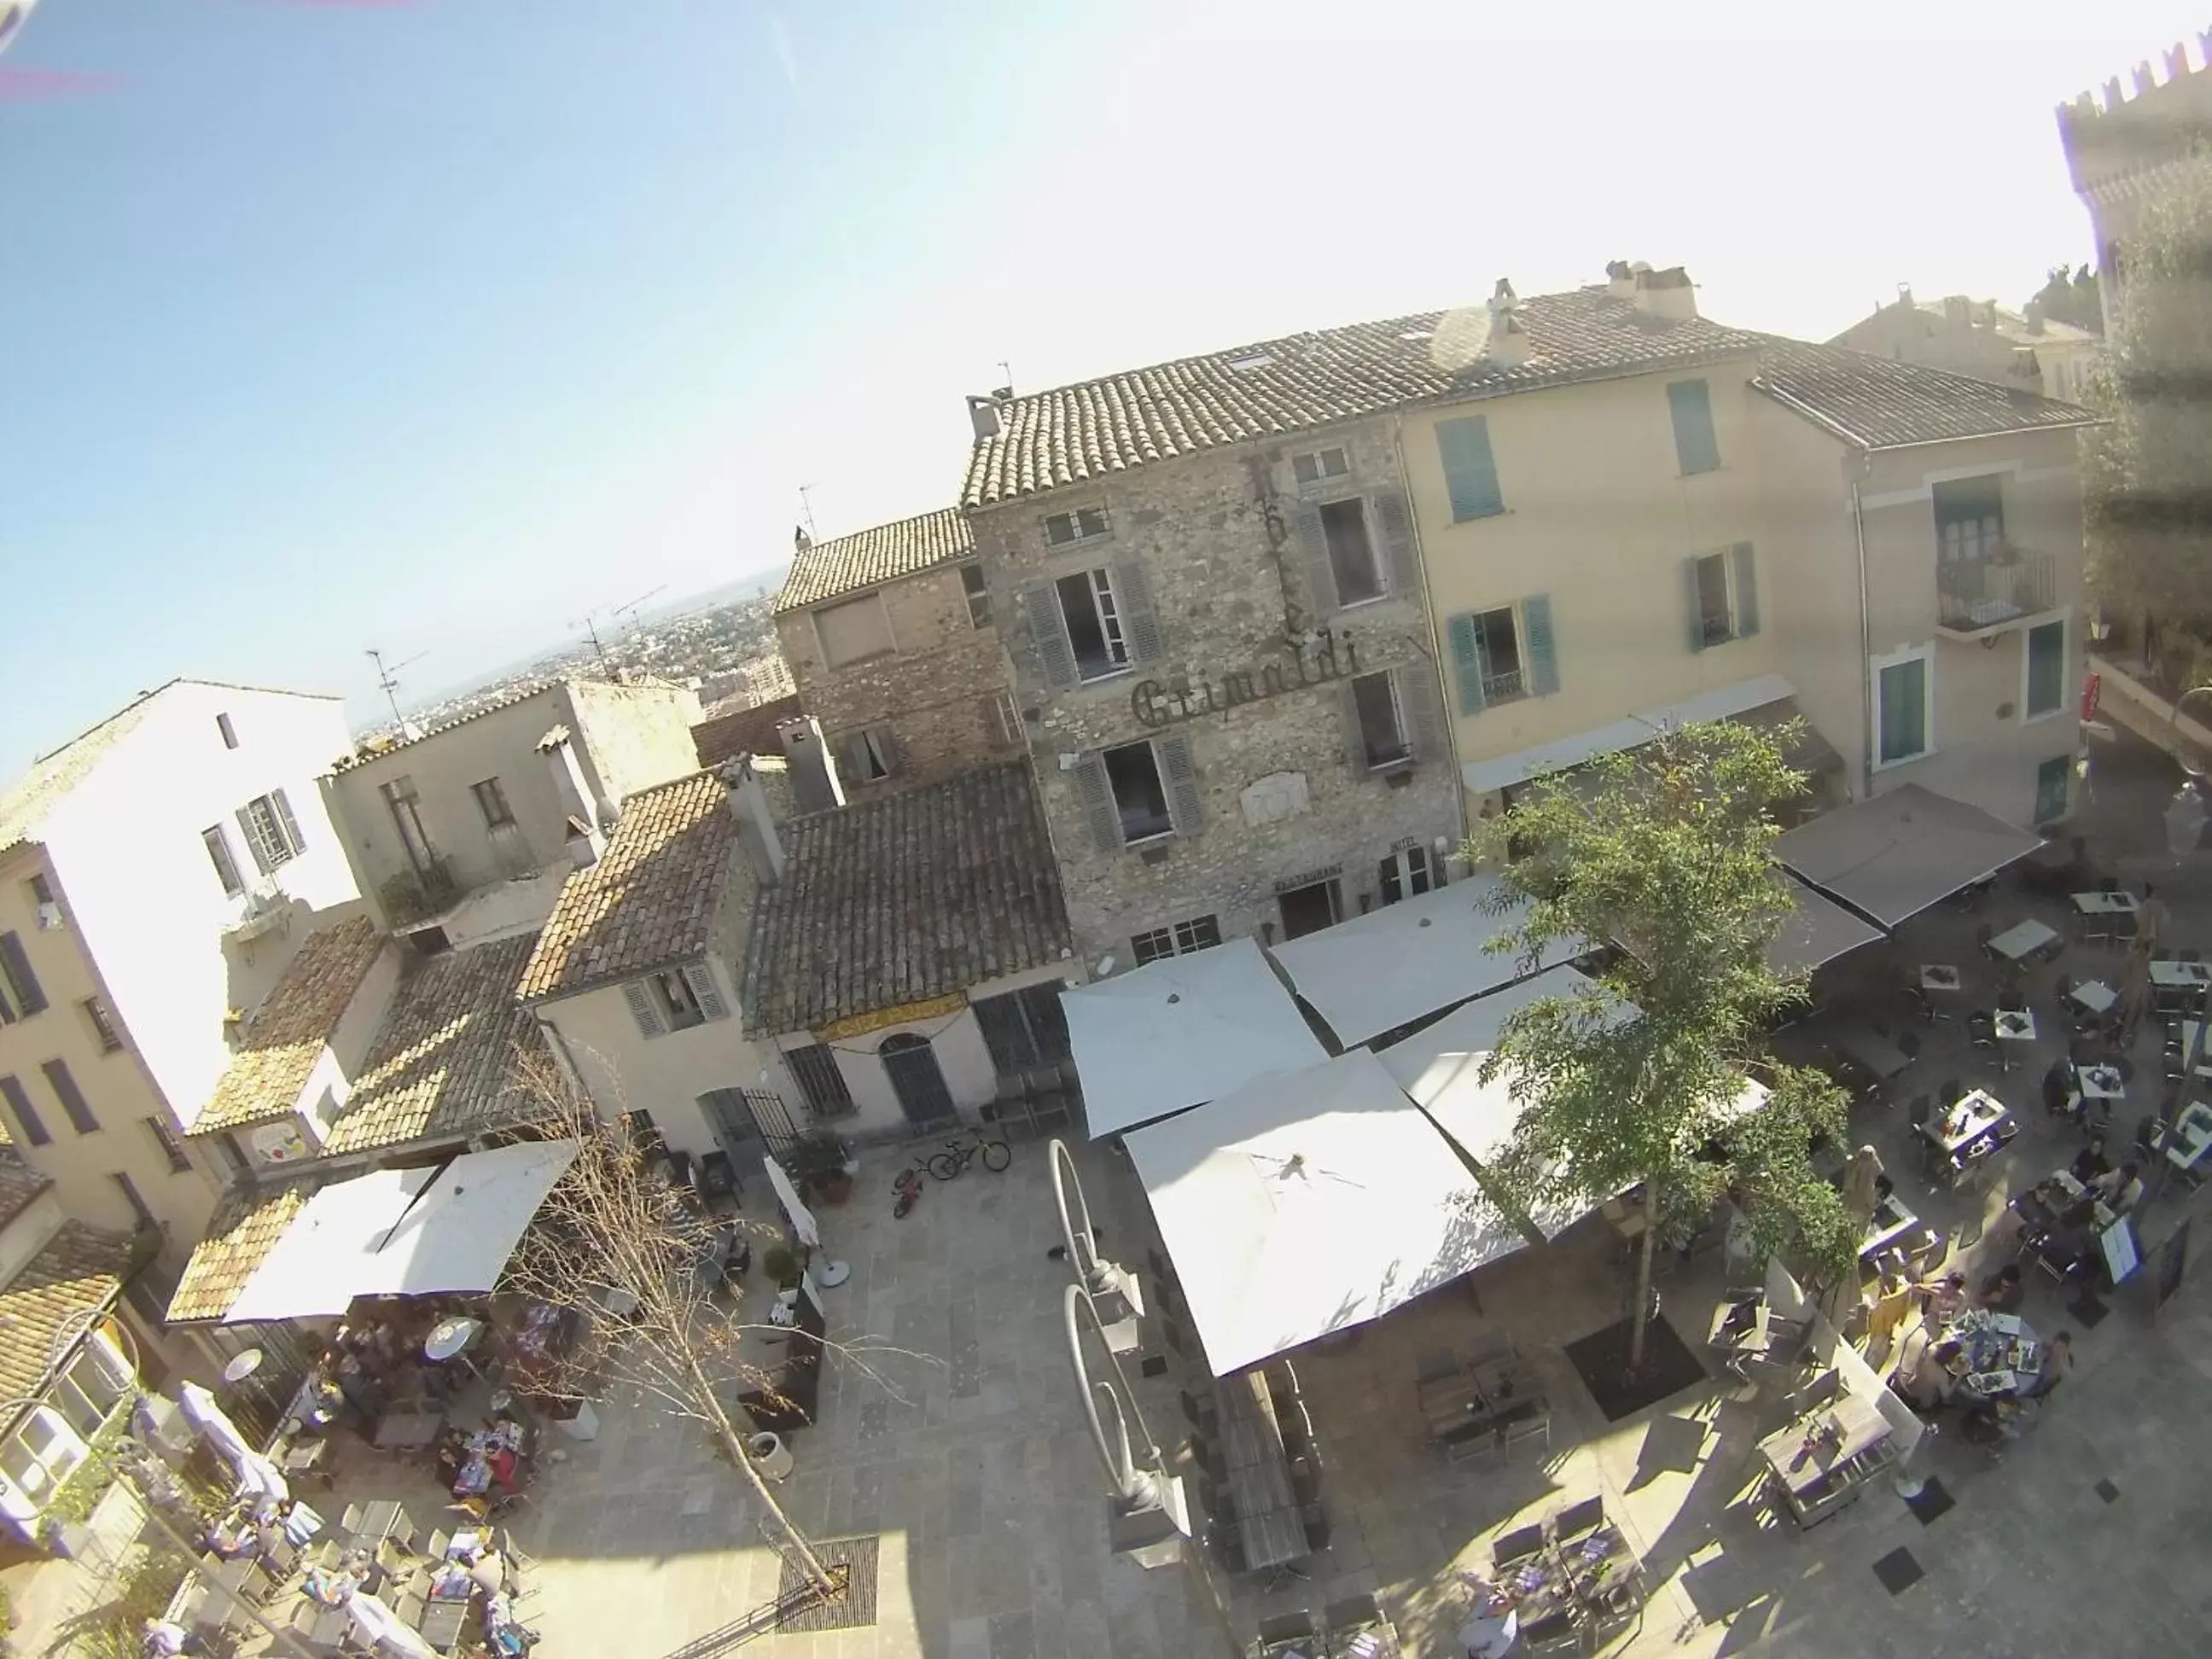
(1308,909)
(917,1080)
(2053,780)
(732,1124)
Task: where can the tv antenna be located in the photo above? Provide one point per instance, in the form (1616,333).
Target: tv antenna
(589,622)
(387,680)
(806,508)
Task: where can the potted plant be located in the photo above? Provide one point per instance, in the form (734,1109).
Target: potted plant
(781,1265)
(825,1167)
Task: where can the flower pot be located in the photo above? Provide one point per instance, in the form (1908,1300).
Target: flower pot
(833,1188)
(769,1455)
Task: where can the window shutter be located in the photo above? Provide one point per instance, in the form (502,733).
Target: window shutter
(256,842)
(642,1009)
(1747,591)
(291,824)
(1175,771)
(16,963)
(1095,797)
(700,979)
(1421,706)
(1691,404)
(1313,554)
(1396,524)
(1140,623)
(1355,742)
(1466,662)
(1050,656)
(1543,659)
(889,746)
(1696,603)
(1470,469)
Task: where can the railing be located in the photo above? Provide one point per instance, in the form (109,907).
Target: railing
(1975,594)
(1508,687)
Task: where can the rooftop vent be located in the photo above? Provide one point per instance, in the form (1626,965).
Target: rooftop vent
(1251,362)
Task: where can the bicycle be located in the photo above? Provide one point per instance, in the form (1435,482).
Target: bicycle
(957,1155)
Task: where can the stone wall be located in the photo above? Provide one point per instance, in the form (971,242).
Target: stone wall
(935,692)
(1216,559)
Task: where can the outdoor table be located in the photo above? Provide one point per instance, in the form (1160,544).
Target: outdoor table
(2023,939)
(1998,1351)
(1543,1586)
(2191,1137)
(1268,1516)
(2189,1040)
(2095,995)
(1974,1115)
(443,1616)
(2122,903)
(2011,1025)
(2101,1082)
(1597,1560)
(1471,1395)
(1368,1641)
(1891,1221)
(1939,976)
(2174,975)
(1802,1463)
(1872,1050)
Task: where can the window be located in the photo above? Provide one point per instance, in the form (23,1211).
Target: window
(26,1115)
(230,732)
(979,595)
(1381,732)
(1320,466)
(1093,618)
(2054,779)
(1084,524)
(72,1098)
(102,1027)
(26,996)
(1308,909)
(233,1160)
(674,1000)
(1140,800)
(1407,873)
(1723,597)
(1691,404)
(854,631)
(172,1152)
(129,1188)
(678,1006)
(406,808)
(1176,939)
(2046,668)
(219,853)
(1351,554)
(491,801)
(821,1084)
(1003,720)
(870,755)
(1969,519)
(1489,642)
(1901,698)
(272,834)
(1470,470)
(40,892)
(1023,1029)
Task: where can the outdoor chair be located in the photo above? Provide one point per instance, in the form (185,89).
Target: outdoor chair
(1199,1413)
(1202,1454)
(2189,956)
(1579,1520)
(1949,1094)
(1982,934)
(1316,1516)
(1305,1482)
(1286,1627)
(1556,1632)
(1509,1549)
(1908,1044)
(1822,1391)
(1533,1424)
(1229,1539)
(1352,1614)
(1435,1365)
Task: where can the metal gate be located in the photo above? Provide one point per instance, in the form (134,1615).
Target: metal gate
(916,1078)
(771,1119)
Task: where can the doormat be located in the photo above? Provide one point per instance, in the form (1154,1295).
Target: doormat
(2107,1491)
(806,1608)
(1153,1365)
(1930,1502)
(1601,1359)
(2090,1311)
(1899,1572)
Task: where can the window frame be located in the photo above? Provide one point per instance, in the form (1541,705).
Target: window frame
(173,1150)
(1520,691)
(22,994)
(830,660)
(1322,478)
(264,820)
(1097,581)
(976,588)
(1378,576)
(1398,866)
(498,796)
(2029,713)
(1079,532)
(1404,755)
(1726,561)
(224,858)
(1687,445)
(804,1076)
(230,732)
(1877,666)
(105,1035)
(1184,938)
(1160,782)
(673,1009)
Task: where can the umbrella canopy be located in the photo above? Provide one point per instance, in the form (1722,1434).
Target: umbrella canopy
(213,1423)
(802,1218)
(1892,856)
(382,1629)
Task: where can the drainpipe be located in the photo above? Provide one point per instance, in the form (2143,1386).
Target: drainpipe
(1866,632)
(1461,828)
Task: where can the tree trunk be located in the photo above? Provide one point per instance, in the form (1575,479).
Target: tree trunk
(1640,1314)
(734,1444)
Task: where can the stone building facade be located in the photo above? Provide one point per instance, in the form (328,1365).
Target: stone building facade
(891,640)
(1225,670)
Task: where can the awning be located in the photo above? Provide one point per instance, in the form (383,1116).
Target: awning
(1310,1202)
(1379,971)
(403,1232)
(1818,930)
(1181,1031)
(1895,854)
(1723,702)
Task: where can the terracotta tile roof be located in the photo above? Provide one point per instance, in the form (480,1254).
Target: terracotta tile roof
(240,1236)
(1882,404)
(910,896)
(1075,433)
(524,693)
(290,1029)
(743,732)
(19,1184)
(869,556)
(448,1058)
(651,898)
(81,1267)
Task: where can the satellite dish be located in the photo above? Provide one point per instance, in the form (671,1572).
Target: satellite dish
(1461,339)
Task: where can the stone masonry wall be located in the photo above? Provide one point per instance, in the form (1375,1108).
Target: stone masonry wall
(935,691)
(1274,794)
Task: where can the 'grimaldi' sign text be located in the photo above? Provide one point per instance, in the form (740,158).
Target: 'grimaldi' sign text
(1330,656)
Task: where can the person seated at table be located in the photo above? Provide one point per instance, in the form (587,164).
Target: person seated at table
(228,1539)
(2002,1291)
(2050,1369)
(2070,1247)
(2090,1162)
(1990,1422)
(2122,1189)
(1945,1299)
(1932,1381)
(453,1452)
(1493,1622)
(159,1639)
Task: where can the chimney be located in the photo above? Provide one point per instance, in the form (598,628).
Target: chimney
(2143,82)
(1958,311)
(756,831)
(813,780)
(2033,311)
(1667,295)
(2177,62)
(588,820)
(1905,294)
(1507,344)
(983,416)
(1619,279)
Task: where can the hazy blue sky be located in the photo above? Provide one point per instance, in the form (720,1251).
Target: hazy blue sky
(330,324)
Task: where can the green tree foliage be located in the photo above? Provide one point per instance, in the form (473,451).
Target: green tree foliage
(1666,856)
(2072,297)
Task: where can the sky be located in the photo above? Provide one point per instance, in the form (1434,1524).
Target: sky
(432,325)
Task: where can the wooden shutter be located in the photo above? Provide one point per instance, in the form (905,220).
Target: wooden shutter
(1313,554)
(1696,598)
(1184,803)
(1467,661)
(16,963)
(1396,524)
(700,979)
(1746,590)
(1140,622)
(1421,706)
(1095,795)
(642,1009)
(1470,469)
(291,824)
(1049,653)
(1355,742)
(888,747)
(1691,404)
(1543,665)
(256,842)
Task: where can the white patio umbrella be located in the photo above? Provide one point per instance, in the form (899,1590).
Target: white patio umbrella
(383,1630)
(257,1478)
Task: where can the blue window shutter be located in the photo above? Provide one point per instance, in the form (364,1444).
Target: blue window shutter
(1543,658)
(1466,662)
(1691,404)
(27,1117)
(1696,598)
(1470,470)
(1747,591)
(2046,667)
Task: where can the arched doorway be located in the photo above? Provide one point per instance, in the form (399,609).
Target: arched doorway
(917,1080)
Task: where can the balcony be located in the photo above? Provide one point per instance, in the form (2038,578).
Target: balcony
(1976,598)
(1506,687)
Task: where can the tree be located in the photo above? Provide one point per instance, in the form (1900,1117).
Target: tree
(1664,856)
(2073,297)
